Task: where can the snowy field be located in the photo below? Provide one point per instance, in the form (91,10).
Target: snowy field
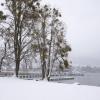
(16,89)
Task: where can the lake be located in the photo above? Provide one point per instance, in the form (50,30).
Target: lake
(92,79)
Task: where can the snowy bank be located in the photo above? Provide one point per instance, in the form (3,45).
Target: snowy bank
(16,89)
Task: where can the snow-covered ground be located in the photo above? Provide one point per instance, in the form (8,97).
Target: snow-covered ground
(16,89)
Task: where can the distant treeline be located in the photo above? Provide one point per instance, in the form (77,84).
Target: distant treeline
(87,69)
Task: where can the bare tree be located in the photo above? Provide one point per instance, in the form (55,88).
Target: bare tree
(32,27)
(2,50)
(50,40)
(20,27)
(3,55)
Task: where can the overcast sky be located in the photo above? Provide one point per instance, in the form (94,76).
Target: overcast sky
(82,18)
(83,29)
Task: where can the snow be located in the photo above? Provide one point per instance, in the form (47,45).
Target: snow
(17,89)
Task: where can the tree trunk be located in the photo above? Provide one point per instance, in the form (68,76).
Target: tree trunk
(43,70)
(44,51)
(17,68)
(17,35)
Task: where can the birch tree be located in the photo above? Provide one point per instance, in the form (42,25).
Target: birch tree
(50,43)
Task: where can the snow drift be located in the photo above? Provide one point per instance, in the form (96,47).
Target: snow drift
(16,89)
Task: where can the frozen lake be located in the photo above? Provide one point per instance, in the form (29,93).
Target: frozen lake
(92,79)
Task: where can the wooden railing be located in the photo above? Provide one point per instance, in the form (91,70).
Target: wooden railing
(36,75)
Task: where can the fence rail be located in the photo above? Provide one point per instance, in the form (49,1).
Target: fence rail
(36,75)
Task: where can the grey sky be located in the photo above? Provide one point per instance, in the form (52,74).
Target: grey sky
(83,28)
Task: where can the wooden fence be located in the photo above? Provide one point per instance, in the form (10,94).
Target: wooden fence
(37,75)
